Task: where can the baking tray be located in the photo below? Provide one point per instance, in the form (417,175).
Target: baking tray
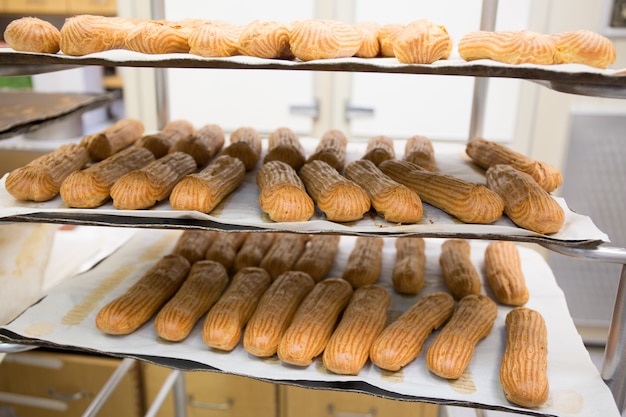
(562,77)
(241,211)
(65,319)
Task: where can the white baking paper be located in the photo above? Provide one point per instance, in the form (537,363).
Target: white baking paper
(66,317)
(242,208)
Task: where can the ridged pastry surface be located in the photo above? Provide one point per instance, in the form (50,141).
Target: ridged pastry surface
(31,34)
(85,34)
(584,47)
(324,39)
(510,47)
(422,42)
(265,39)
(370,46)
(282,193)
(153,37)
(214,39)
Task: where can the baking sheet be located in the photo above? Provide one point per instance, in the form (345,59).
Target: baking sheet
(610,81)
(66,317)
(241,210)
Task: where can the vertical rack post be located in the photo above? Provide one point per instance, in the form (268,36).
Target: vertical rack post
(479,98)
(162,109)
(614,364)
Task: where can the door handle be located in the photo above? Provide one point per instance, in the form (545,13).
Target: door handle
(331,411)
(311,110)
(211,406)
(358,112)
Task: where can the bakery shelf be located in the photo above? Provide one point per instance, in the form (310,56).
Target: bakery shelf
(571,78)
(241,212)
(65,319)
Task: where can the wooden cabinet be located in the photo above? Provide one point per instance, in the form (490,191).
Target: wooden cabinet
(97,7)
(50,384)
(212,394)
(59,7)
(301,402)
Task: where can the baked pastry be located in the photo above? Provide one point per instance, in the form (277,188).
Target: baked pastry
(584,47)
(469,202)
(523,370)
(224,323)
(282,194)
(451,351)
(379,149)
(197,294)
(314,322)
(31,34)
(422,42)
(283,253)
(158,37)
(214,39)
(525,202)
(144,187)
(364,262)
(161,142)
(362,321)
(487,153)
(407,276)
(253,250)
(402,341)
(204,190)
(265,39)
(274,312)
(41,179)
(323,39)
(318,256)
(91,187)
(459,274)
(144,298)
(331,149)
(193,244)
(509,47)
(245,144)
(341,199)
(387,36)
(395,202)
(203,145)
(85,34)
(225,247)
(283,145)
(114,138)
(370,46)
(419,150)
(503,268)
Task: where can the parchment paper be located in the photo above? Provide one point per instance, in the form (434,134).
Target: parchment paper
(66,317)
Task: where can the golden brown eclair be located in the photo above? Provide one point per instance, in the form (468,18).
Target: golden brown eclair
(419,150)
(193,244)
(523,370)
(460,275)
(487,154)
(341,199)
(214,39)
(253,249)
(422,42)
(245,144)
(362,321)
(510,47)
(370,46)
(318,256)
(314,322)
(386,37)
(144,298)
(526,203)
(114,138)
(203,145)
(503,268)
(275,311)
(282,194)
(407,276)
(312,39)
(91,187)
(200,290)
(85,34)
(146,186)
(31,34)
(451,351)
(469,202)
(284,145)
(402,341)
(224,323)
(584,47)
(364,262)
(283,253)
(158,37)
(161,142)
(204,190)
(41,179)
(379,149)
(225,247)
(331,149)
(265,39)
(395,202)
